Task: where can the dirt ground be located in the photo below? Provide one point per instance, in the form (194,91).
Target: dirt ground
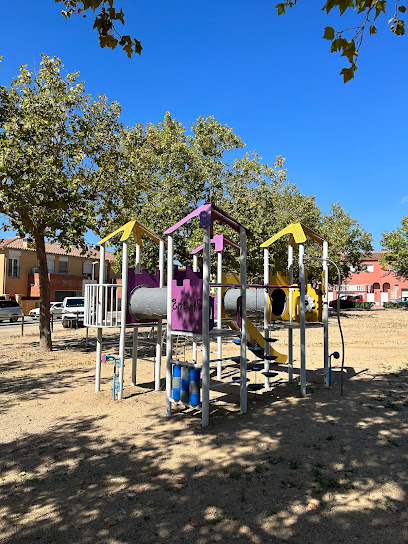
(78,467)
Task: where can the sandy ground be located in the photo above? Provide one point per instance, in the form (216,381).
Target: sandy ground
(78,467)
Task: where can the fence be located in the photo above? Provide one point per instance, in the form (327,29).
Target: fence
(102,305)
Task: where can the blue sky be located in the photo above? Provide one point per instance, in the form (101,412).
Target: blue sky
(271,78)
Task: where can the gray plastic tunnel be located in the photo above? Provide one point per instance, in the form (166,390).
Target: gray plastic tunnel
(255,301)
(151,303)
(148,303)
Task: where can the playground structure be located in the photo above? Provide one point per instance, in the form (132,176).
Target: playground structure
(194,313)
(106,305)
(298,235)
(190,307)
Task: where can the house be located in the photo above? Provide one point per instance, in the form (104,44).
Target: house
(375,283)
(68,271)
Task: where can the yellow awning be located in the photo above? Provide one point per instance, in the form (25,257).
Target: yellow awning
(137,229)
(299,234)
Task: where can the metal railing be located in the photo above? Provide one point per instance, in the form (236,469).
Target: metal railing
(346,287)
(102,305)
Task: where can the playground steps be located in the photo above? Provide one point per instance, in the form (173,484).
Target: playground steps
(238,342)
(255,366)
(236,359)
(255,386)
(257,350)
(270,374)
(255,338)
(256,344)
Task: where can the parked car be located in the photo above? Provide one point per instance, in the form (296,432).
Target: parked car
(10,309)
(346,301)
(404,300)
(55,310)
(73,312)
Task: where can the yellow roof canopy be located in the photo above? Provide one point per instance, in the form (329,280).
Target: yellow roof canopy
(299,234)
(137,229)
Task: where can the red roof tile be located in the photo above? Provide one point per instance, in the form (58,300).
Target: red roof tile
(375,256)
(55,249)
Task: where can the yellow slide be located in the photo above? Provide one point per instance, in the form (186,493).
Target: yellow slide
(254,337)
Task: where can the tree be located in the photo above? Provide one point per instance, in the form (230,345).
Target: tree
(396,245)
(104,23)
(264,201)
(55,143)
(349,40)
(349,241)
(173,172)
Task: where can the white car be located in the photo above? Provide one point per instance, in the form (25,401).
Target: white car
(10,309)
(55,310)
(73,312)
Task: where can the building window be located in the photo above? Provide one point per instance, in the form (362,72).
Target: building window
(51,266)
(386,287)
(376,286)
(87,268)
(63,265)
(368,268)
(13,268)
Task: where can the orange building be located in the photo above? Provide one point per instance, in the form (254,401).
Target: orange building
(68,271)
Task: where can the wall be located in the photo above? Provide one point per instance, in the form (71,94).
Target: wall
(28,283)
(381,277)
(2,261)
(58,282)
(20,285)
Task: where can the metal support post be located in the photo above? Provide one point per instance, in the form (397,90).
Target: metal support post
(159,323)
(266,316)
(138,265)
(168,336)
(290,331)
(205,414)
(219,312)
(125,261)
(325,287)
(302,321)
(157,363)
(99,311)
(243,345)
(195,269)
(134,354)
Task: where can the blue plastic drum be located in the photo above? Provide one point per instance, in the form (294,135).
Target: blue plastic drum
(176,382)
(185,385)
(195,386)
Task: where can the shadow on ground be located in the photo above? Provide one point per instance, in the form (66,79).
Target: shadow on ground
(315,470)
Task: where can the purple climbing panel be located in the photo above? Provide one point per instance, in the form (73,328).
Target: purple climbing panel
(187,301)
(135,280)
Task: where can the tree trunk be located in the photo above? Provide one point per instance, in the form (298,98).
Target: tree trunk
(45,330)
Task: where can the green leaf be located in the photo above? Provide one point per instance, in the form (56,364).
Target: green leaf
(344,5)
(402,9)
(373,29)
(329,5)
(380,7)
(281,8)
(399,28)
(328,33)
(337,44)
(348,73)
